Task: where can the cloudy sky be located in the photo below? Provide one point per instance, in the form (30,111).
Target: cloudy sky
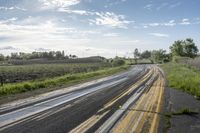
(96,27)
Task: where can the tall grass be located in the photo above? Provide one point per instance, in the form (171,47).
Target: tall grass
(13,88)
(184,78)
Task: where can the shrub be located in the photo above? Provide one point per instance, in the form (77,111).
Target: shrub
(118,62)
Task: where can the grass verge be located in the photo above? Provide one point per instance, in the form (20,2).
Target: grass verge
(15,88)
(184,78)
(185,111)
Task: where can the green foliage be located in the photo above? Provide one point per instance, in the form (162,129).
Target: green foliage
(145,55)
(2,58)
(177,48)
(37,55)
(190,48)
(179,59)
(118,62)
(136,55)
(155,56)
(183,78)
(14,88)
(185,111)
(184,48)
(159,56)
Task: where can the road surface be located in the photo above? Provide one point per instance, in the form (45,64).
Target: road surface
(127,102)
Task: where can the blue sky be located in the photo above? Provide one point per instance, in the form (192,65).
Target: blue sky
(96,27)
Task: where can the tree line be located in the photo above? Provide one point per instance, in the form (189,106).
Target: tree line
(57,55)
(182,48)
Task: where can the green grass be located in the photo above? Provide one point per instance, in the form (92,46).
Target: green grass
(169,115)
(184,78)
(185,111)
(14,88)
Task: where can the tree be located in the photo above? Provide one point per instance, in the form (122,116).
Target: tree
(185,48)
(177,48)
(190,49)
(159,56)
(136,55)
(74,57)
(146,54)
(58,55)
(14,56)
(2,58)
(118,62)
(63,54)
(44,54)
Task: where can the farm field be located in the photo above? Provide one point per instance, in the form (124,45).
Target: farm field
(19,73)
(84,73)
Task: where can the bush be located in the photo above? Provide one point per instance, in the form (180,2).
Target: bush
(179,59)
(118,62)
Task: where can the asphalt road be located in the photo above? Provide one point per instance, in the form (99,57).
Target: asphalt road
(97,107)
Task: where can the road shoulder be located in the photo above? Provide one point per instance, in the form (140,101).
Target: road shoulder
(181,112)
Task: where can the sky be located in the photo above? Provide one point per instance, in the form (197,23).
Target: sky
(96,27)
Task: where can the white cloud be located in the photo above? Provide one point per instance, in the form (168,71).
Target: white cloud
(159,34)
(114,3)
(38,26)
(45,33)
(170,23)
(48,4)
(162,6)
(8,20)
(110,19)
(154,24)
(130,41)
(159,6)
(149,6)
(175,5)
(79,12)
(12,8)
(111,34)
(185,21)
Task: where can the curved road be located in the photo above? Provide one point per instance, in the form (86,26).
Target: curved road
(126,102)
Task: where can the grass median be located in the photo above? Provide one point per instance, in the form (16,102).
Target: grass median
(14,88)
(184,78)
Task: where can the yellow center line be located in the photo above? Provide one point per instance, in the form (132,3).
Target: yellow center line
(88,123)
(92,120)
(129,117)
(130,90)
(151,99)
(154,125)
